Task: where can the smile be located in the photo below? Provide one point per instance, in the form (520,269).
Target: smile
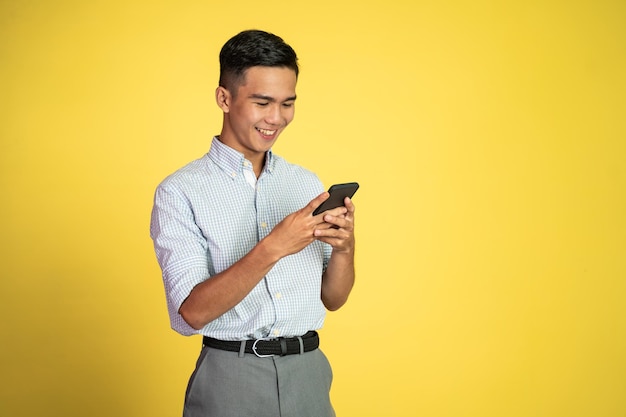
(266,132)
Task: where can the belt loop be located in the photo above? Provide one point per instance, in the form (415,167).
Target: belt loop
(242,349)
(283,346)
(301,344)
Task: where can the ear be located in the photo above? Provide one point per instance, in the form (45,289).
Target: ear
(223,98)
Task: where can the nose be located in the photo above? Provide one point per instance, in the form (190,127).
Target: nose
(274,115)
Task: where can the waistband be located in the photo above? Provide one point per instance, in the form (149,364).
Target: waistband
(280,346)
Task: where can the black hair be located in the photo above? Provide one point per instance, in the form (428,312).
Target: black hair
(252,48)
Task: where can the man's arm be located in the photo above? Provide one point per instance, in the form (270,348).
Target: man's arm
(338,278)
(215,296)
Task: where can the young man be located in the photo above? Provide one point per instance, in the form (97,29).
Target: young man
(245,263)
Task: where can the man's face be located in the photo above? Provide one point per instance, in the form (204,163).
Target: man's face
(260,111)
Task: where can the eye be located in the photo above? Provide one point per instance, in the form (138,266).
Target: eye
(261,103)
(288,104)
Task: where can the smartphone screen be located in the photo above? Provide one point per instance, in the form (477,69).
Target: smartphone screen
(338,193)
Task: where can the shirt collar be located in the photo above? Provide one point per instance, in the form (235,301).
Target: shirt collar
(233,162)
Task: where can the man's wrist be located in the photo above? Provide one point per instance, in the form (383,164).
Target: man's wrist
(348,253)
(268,250)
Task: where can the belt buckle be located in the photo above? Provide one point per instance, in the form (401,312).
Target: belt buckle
(257,353)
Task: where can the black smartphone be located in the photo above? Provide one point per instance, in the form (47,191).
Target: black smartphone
(338,193)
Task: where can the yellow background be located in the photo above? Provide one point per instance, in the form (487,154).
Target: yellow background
(489,141)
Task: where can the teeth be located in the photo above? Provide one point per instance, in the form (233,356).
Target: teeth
(267,132)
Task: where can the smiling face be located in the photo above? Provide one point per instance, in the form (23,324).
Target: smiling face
(257,114)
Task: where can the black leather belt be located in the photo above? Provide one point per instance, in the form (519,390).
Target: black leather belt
(268,347)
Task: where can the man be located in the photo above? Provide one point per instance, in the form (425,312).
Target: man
(245,263)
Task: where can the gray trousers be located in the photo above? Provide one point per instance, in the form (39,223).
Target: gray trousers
(225,384)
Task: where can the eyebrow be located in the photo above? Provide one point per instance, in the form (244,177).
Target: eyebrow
(270,99)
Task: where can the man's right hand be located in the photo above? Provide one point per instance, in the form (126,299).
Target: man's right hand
(296,231)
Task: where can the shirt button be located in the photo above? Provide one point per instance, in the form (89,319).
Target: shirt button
(279,296)
(263,225)
(276,333)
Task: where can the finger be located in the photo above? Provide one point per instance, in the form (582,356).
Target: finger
(329,232)
(337,238)
(337,211)
(324,226)
(349,206)
(343,221)
(316,202)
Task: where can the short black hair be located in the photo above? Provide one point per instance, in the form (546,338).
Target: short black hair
(252,48)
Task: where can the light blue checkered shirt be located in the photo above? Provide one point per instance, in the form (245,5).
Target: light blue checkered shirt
(206,216)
